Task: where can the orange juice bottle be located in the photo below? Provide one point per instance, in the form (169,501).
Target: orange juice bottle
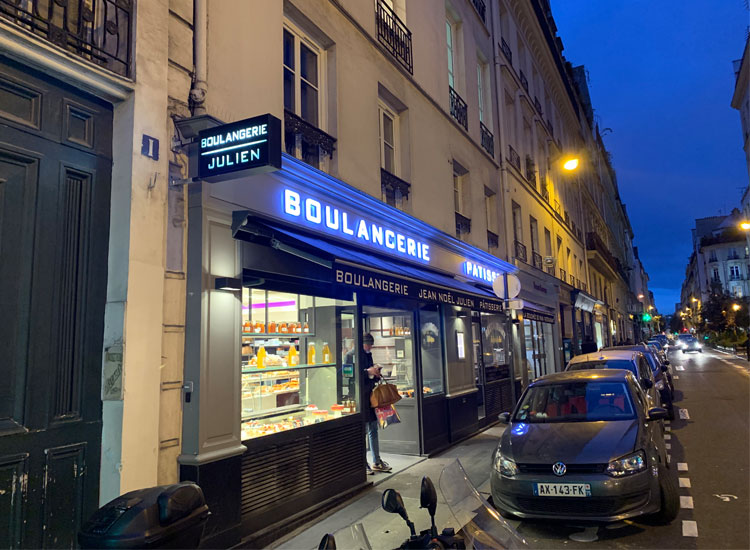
(326,353)
(246,326)
(261,358)
(298,328)
(311,353)
(292,358)
(272,327)
(306,328)
(283,328)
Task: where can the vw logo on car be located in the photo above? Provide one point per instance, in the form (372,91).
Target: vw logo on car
(559,469)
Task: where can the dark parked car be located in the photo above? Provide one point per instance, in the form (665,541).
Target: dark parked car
(662,376)
(584,445)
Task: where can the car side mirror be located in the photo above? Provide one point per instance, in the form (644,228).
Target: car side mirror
(646,383)
(657,413)
(504,418)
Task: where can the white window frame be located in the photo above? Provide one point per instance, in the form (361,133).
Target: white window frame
(458,192)
(385,110)
(450,41)
(490,210)
(482,94)
(301,38)
(735,272)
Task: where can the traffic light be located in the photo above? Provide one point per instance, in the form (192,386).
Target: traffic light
(646,317)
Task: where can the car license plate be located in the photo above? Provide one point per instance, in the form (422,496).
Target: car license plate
(562,490)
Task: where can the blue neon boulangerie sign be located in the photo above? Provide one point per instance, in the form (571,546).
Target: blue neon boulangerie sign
(341,213)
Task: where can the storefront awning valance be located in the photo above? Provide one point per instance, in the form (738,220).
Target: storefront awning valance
(362,271)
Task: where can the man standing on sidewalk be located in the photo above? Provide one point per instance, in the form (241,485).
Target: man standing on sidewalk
(370,377)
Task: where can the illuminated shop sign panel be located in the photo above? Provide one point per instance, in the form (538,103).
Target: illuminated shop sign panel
(241,148)
(353,227)
(479,272)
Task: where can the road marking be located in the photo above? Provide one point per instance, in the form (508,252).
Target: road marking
(669,446)
(675,377)
(689,528)
(682,466)
(680,367)
(685,482)
(667,436)
(668,428)
(669,458)
(686,502)
(684,414)
(726,497)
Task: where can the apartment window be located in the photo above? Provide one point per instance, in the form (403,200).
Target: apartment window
(490,209)
(387,132)
(567,260)
(450,35)
(509,115)
(517,223)
(458,192)
(547,242)
(734,272)
(716,275)
(534,227)
(301,76)
(482,93)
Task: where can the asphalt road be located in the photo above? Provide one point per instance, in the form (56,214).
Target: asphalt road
(711,448)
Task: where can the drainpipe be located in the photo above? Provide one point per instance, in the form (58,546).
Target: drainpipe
(200,88)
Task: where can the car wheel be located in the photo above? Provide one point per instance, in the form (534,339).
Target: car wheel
(683,351)
(670,496)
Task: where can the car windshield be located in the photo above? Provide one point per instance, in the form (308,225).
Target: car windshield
(591,401)
(605,364)
(684,336)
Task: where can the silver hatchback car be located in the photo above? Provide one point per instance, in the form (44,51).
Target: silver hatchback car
(584,445)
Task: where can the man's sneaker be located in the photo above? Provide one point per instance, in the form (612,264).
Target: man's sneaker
(370,471)
(381,466)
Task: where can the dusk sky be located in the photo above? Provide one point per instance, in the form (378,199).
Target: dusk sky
(661,77)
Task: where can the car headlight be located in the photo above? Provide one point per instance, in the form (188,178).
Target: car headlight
(659,385)
(505,466)
(627,465)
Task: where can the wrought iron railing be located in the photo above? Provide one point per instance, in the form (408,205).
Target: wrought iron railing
(513,157)
(463,225)
(488,140)
(551,270)
(594,242)
(550,128)
(481,8)
(524,81)
(538,105)
(394,35)
(563,274)
(530,170)
(584,286)
(459,110)
(390,183)
(99,31)
(537,260)
(572,280)
(713,259)
(520,249)
(507,52)
(545,190)
(567,218)
(311,138)
(493,239)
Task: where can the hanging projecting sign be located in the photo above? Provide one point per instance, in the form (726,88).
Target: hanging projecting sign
(249,146)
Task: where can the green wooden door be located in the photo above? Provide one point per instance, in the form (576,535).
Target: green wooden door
(55,163)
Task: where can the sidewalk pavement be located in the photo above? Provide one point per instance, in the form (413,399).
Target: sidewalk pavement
(386,530)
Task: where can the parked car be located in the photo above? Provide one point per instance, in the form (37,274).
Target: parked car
(663,339)
(631,360)
(584,445)
(662,375)
(692,344)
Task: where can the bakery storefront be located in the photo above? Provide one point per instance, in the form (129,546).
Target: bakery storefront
(287,270)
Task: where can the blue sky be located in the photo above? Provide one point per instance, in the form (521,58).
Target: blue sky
(661,76)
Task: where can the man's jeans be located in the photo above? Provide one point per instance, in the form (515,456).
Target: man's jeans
(372,436)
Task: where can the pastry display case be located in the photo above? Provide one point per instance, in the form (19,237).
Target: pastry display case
(292,372)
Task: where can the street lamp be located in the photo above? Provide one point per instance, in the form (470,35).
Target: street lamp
(572,163)
(745,226)
(640,296)
(736,307)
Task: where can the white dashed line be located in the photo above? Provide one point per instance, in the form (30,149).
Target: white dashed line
(669,458)
(668,445)
(668,428)
(680,367)
(684,414)
(686,502)
(675,377)
(685,482)
(667,436)
(689,528)
(682,466)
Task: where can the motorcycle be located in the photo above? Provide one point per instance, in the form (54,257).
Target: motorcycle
(471,521)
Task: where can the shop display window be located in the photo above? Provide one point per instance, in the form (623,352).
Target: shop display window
(431,345)
(393,348)
(494,346)
(293,369)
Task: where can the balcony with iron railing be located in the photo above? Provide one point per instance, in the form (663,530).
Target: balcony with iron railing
(520,250)
(507,52)
(550,128)
(488,140)
(524,81)
(459,110)
(99,31)
(393,188)
(493,239)
(513,157)
(463,225)
(538,105)
(536,260)
(572,280)
(563,274)
(713,259)
(595,243)
(530,170)
(481,8)
(306,141)
(545,190)
(394,35)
